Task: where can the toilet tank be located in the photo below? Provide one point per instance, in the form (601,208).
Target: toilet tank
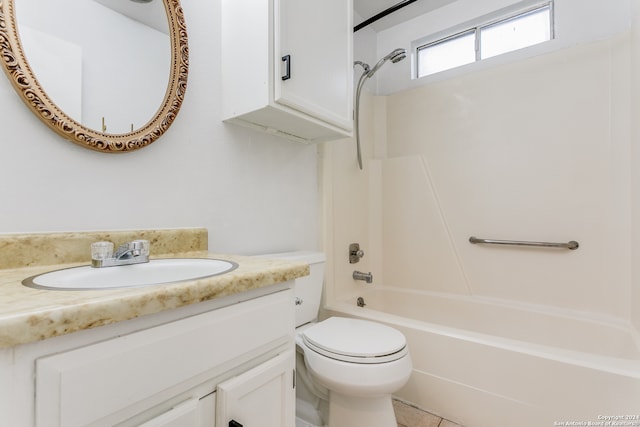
(308,289)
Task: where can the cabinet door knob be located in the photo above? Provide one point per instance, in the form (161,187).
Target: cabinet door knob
(287,67)
(234,423)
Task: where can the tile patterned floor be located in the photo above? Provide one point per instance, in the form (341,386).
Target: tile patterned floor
(408,416)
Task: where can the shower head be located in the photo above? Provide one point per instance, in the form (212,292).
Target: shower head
(395,56)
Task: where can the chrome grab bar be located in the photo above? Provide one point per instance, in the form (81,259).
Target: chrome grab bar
(572,245)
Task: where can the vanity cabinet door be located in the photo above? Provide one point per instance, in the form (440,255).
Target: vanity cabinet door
(197,412)
(261,397)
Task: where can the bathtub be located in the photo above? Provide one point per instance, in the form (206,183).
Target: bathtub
(488,363)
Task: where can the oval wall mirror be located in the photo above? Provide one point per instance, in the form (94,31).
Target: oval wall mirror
(109,75)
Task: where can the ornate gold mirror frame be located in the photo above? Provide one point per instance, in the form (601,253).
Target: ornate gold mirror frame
(25,83)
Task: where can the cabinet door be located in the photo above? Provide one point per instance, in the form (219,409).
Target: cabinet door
(192,413)
(317,38)
(261,397)
(207,411)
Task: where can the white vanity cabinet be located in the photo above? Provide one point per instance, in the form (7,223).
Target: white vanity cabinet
(170,373)
(287,67)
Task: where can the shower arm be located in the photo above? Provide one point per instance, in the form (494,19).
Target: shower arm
(364,65)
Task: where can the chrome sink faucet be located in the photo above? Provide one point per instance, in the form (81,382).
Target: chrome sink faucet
(134,252)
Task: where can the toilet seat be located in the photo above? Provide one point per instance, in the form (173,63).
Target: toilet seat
(355,340)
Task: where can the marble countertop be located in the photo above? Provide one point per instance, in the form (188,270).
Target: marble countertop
(28,315)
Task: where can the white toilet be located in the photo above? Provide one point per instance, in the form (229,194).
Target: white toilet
(347,369)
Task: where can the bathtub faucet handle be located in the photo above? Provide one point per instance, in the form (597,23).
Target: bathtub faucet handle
(355,253)
(359,275)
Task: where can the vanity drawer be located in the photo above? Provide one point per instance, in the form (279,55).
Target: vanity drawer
(82,386)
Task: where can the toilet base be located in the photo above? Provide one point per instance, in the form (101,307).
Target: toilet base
(302,423)
(349,411)
(308,414)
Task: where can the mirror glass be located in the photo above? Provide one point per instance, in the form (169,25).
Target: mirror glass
(95,61)
(108,74)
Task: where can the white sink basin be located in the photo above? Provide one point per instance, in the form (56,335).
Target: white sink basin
(154,272)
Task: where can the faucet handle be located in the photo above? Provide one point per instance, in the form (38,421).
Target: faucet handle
(355,253)
(101,250)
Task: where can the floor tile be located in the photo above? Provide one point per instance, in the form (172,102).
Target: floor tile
(408,416)
(447,423)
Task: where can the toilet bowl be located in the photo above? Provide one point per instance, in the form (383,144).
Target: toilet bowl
(347,368)
(361,364)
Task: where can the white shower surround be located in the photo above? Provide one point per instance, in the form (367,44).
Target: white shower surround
(482,153)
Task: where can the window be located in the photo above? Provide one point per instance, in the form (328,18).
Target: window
(447,53)
(514,32)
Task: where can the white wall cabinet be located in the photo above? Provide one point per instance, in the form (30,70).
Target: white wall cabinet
(287,67)
(168,372)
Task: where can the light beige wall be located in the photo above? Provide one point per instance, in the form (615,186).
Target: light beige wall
(635,158)
(533,150)
(351,206)
(347,213)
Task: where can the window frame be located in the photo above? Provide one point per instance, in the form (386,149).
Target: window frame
(476,28)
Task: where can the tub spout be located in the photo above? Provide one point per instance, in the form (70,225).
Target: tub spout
(359,275)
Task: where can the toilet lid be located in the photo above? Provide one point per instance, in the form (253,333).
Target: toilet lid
(355,340)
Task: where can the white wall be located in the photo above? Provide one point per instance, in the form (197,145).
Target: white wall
(255,193)
(364,47)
